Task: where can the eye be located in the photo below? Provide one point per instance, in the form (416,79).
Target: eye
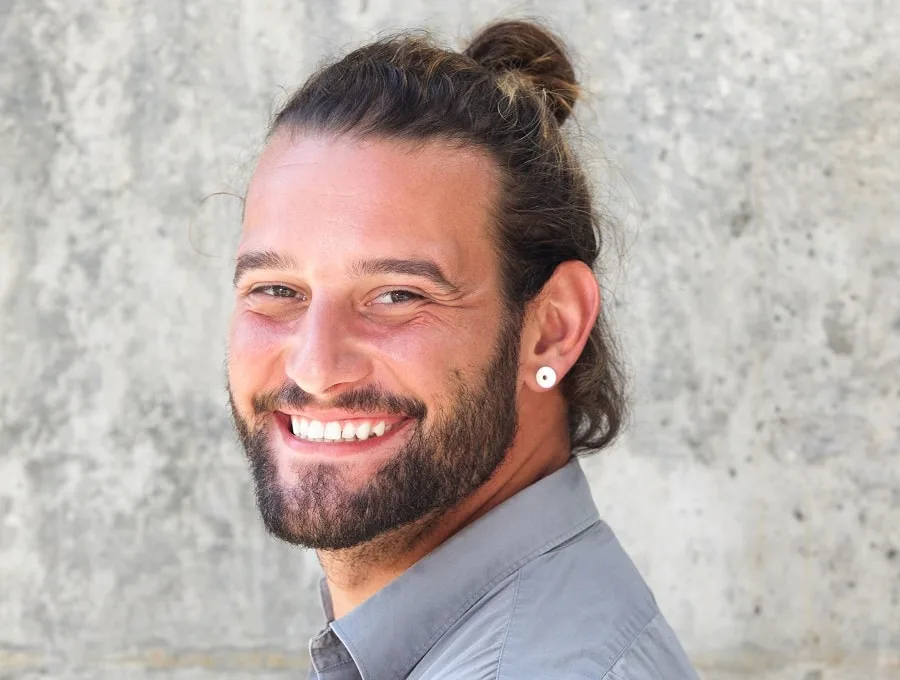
(397,297)
(275,290)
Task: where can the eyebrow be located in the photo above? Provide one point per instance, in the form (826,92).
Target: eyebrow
(422,268)
(260,259)
(426,269)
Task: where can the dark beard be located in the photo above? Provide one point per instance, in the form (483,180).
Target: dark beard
(434,470)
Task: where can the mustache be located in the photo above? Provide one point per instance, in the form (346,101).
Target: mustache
(367,399)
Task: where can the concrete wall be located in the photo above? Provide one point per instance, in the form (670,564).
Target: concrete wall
(752,153)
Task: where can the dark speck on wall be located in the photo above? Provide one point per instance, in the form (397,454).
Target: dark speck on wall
(838,335)
(741,219)
(798,515)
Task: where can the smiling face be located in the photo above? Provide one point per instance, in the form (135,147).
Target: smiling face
(373,365)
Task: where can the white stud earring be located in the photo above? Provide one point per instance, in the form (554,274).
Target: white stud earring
(546,377)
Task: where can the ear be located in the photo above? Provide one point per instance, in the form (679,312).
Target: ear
(559,322)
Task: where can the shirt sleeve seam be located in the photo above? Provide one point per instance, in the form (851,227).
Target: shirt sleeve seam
(611,671)
(512,615)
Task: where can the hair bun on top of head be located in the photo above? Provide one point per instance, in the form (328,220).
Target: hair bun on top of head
(536,54)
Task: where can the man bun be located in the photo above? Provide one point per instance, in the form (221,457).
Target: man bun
(535,54)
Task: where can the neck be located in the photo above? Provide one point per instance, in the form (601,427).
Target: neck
(356,574)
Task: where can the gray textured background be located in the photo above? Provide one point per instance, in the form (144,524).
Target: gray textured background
(751,151)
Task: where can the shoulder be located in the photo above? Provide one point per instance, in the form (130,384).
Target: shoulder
(580,607)
(580,610)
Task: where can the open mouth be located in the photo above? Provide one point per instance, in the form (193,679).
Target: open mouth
(338,431)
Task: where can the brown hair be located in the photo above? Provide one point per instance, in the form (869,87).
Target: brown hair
(508,93)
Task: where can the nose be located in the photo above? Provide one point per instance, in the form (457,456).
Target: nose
(323,354)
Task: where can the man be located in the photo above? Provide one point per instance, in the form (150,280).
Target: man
(415,353)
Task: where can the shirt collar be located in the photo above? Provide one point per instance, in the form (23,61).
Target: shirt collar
(390,632)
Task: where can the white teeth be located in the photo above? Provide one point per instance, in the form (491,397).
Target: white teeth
(333,431)
(316,429)
(362,430)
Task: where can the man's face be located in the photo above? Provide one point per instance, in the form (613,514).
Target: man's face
(373,366)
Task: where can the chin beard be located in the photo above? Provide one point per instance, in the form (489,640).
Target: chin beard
(440,464)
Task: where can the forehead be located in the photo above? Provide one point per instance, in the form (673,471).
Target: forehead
(313,195)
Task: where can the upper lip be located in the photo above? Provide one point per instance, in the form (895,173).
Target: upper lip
(330,416)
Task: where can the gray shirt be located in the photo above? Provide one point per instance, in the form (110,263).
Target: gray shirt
(538,587)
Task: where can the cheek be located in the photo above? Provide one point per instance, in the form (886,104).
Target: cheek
(253,351)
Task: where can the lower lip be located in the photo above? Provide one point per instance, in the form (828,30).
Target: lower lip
(338,449)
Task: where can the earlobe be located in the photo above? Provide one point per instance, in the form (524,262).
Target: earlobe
(562,319)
